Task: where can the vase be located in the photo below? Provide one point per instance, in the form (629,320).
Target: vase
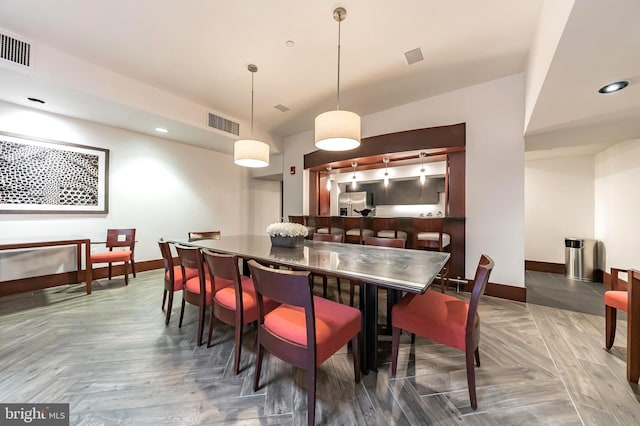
(282,241)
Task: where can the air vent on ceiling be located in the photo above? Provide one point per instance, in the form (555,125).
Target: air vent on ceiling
(282,108)
(413,56)
(14,50)
(223,124)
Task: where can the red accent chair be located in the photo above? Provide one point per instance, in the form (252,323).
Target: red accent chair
(172,276)
(305,330)
(331,238)
(626,297)
(197,290)
(445,319)
(235,303)
(118,238)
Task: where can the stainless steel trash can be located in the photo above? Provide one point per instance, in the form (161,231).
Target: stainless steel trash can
(580,258)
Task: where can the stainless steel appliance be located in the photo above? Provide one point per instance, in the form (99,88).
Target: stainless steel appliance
(348,201)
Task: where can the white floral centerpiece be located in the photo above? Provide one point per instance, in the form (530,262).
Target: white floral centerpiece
(285,234)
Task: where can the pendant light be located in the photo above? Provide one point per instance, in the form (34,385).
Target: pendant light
(329,178)
(337,130)
(354,183)
(385,160)
(422,176)
(250,152)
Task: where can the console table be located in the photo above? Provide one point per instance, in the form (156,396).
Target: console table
(18,286)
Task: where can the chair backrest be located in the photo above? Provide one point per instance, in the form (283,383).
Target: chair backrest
(385,223)
(298,219)
(334,238)
(225,267)
(421,224)
(322,222)
(121,238)
(287,287)
(483,271)
(167,257)
(191,257)
(204,235)
(352,222)
(384,242)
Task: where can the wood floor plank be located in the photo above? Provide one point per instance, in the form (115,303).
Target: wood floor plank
(111,357)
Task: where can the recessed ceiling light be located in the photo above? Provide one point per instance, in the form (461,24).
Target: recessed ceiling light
(40,101)
(161,130)
(290,43)
(614,87)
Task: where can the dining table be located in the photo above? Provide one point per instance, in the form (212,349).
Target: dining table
(373,267)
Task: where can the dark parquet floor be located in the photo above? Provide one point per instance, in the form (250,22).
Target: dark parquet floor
(110,356)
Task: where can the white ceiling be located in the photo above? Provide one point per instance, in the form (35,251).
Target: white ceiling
(198,51)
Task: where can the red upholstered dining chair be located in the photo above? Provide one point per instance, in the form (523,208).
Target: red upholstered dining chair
(197,290)
(626,297)
(332,238)
(172,276)
(305,330)
(124,243)
(235,303)
(614,299)
(445,319)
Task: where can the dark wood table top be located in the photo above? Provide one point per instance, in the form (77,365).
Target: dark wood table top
(400,269)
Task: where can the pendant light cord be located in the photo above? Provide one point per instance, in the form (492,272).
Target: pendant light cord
(338,94)
(252,73)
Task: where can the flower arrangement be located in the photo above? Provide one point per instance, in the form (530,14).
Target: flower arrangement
(283,229)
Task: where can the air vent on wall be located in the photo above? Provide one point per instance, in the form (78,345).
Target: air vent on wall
(14,50)
(223,124)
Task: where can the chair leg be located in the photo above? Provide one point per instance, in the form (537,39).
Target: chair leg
(351,294)
(395,346)
(201,315)
(355,351)
(181,313)
(133,267)
(126,273)
(413,338)
(324,286)
(610,325)
(164,297)
(471,378)
(109,270)
(339,290)
(256,378)
(211,319)
(238,351)
(169,306)
(477,354)
(311,395)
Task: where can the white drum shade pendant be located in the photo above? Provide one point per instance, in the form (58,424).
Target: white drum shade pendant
(250,152)
(338,130)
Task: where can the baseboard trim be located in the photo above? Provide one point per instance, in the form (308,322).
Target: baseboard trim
(554,268)
(73,277)
(508,292)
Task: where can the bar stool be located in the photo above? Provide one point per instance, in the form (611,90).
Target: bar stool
(323,225)
(354,230)
(428,235)
(303,220)
(387,227)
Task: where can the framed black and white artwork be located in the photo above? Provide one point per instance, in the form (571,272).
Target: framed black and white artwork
(45,176)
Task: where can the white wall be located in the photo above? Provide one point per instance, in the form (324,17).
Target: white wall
(159,187)
(617,203)
(559,203)
(494,114)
